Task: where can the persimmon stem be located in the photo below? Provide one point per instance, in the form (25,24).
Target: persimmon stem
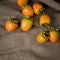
(50,28)
(42,11)
(24,5)
(46,34)
(14,20)
(28,17)
(46,26)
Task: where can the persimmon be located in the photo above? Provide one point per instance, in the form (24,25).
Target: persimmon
(22,3)
(54,36)
(27,11)
(38,8)
(11,24)
(26,24)
(45,21)
(42,37)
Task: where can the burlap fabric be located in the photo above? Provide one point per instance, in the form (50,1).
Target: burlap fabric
(19,45)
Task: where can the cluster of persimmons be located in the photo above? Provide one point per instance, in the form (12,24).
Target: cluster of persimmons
(28,11)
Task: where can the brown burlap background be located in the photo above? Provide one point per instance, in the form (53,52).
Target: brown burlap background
(19,45)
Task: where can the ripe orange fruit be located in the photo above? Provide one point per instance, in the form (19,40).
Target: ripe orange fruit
(21,3)
(37,8)
(26,24)
(11,25)
(27,11)
(45,20)
(42,37)
(54,36)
